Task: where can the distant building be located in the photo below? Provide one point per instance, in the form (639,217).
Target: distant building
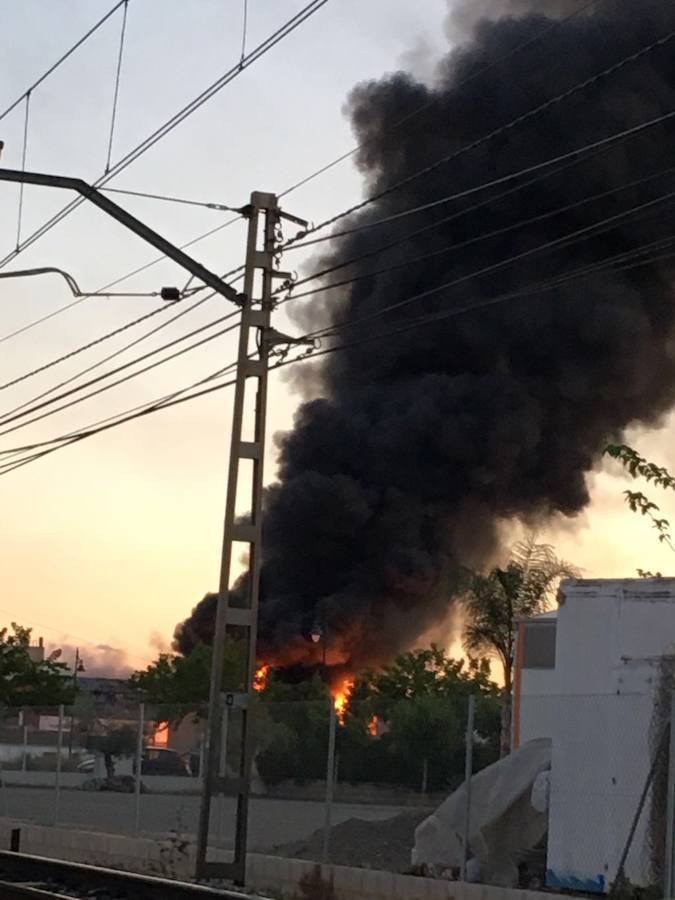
(591,677)
(37,652)
(108,693)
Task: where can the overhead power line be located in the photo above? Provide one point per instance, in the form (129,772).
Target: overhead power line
(519,48)
(118,74)
(107,387)
(496,132)
(220,207)
(552,26)
(263,48)
(62,59)
(462,245)
(565,240)
(631,259)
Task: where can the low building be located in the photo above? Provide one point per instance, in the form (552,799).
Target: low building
(592,677)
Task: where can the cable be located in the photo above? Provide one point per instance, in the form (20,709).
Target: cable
(174,121)
(23,168)
(496,132)
(8,419)
(572,237)
(508,55)
(567,161)
(475,240)
(462,83)
(243,33)
(155,404)
(100,362)
(114,283)
(221,207)
(113,117)
(407,325)
(107,387)
(65,56)
(594,228)
(582,272)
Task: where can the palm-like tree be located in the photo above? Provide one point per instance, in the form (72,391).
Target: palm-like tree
(494,604)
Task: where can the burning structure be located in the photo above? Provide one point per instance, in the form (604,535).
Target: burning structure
(419,439)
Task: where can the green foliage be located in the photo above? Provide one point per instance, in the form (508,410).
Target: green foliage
(25,682)
(495,602)
(420,704)
(113,743)
(639,467)
(175,681)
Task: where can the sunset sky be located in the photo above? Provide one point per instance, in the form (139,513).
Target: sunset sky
(113,540)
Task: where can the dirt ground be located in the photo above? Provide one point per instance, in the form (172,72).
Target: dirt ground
(382,845)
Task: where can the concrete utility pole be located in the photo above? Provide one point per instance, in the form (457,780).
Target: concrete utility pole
(251,364)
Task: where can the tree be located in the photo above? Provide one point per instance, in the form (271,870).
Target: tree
(113,742)
(494,604)
(28,682)
(421,702)
(639,467)
(175,681)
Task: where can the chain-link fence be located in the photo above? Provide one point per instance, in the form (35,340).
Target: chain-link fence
(582,804)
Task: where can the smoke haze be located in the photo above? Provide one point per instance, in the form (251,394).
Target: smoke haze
(411,452)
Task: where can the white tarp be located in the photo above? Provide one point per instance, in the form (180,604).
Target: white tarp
(503,820)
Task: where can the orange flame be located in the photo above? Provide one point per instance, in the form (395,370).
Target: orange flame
(260,678)
(341,693)
(373,726)
(160,737)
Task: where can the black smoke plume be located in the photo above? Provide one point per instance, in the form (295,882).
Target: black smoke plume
(415,448)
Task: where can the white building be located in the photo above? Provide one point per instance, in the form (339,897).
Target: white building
(586,677)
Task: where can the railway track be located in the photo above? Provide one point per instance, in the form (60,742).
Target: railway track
(23,877)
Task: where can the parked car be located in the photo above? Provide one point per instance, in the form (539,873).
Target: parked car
(162,761)
(87,764)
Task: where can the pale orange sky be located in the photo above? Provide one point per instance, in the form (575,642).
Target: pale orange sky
(113,540)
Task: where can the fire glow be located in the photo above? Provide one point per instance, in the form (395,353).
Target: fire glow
(341,693)
(260,678)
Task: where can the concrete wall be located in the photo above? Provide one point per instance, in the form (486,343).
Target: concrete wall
(264,873)
(597,708)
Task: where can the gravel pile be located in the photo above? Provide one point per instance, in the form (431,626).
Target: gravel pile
(384,844)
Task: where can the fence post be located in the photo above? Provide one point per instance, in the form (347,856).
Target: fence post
(138,769)
(670,810)
(25,741)
(468,772)
(57,774)
(330,781)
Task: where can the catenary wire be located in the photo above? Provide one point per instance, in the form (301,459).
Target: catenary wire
(24,151)
(503,58)
(62,59)
(475,240)
(519,48)
(107,387)
(496,132)
(220,207)
(459,246)
(131,415)
(116,94)
(263,48)
(542,173)
(572,237)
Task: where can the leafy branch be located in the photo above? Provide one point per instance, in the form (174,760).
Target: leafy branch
(639,467)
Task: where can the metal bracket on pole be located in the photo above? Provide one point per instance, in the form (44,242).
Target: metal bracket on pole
(131,222)
(235,778)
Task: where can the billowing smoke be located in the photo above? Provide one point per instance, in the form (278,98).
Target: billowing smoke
(414,449)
